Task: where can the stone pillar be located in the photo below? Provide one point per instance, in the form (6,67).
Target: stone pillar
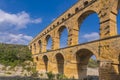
(56,43)
(107,16)
(44,44)
(108,27)
(108,71)
(70,70)
(37,48)
(73,34)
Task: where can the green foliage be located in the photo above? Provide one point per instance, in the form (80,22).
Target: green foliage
(34,73)
(92,63)
(61,77)
(13,55)
(50,75)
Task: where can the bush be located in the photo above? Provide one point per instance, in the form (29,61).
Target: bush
(50,75)
(61,76)
(14,55)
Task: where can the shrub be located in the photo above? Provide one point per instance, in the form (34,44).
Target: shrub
(50,75)
(61,76)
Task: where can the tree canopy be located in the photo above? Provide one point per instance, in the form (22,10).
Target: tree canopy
(13,55)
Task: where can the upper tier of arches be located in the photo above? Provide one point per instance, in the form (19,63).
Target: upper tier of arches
(107,28)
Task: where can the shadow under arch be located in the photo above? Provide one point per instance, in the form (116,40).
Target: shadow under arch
(88,25)
(49,44)
(82,57)
(45,60)
(60,32)
(60,63)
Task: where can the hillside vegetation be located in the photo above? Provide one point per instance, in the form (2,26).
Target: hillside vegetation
(93,63)
(14,55)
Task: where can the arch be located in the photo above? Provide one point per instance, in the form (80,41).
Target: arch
(60,63)
(58,23)
(37,59)
(76,9)
(53,26)
(84,15)
(49,42)
(63,30)
(88,29)
(45,60)
(86,3)
(30,47)
(34,47)
(63,19)
(82,57)
(69,15)
(40,45)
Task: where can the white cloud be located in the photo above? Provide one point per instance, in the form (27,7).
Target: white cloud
(16,21)
(10,24)
(37,20)
(92,36)
(14,38)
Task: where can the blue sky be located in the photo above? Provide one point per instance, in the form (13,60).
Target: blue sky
(22,20)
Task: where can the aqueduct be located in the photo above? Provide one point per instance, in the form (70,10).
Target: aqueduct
(73,59)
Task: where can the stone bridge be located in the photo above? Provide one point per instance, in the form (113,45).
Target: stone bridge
(73,59)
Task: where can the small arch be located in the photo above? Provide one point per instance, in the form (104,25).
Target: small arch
(76,10)
(53,26)
(49,42)
(69,15)
(58,23)
(30,47)
(63,19)
(60,63)
(45,60)
(37,59)
(86,3)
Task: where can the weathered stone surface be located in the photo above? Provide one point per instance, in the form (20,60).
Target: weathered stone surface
(72,60)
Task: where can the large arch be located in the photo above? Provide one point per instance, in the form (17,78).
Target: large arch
(82,57)
(60,63)
(88,29)
(63,36)
(49,42)
(45,60)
